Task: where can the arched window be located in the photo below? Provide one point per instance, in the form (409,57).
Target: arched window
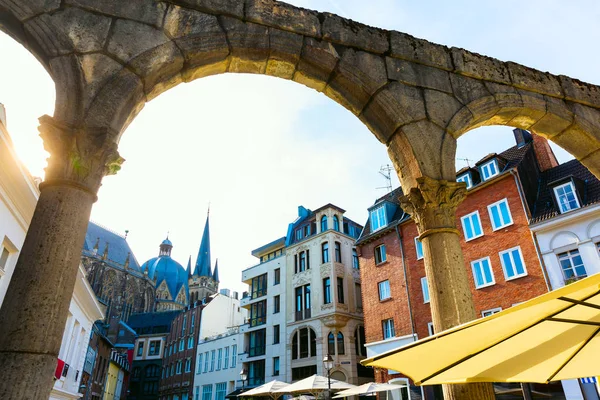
(324,223)
(355,263)
(331,344)
(336,223)
(340,343)
(359,341)
(304,344)
(325,252)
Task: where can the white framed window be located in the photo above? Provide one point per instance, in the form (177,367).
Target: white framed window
(402,392)
(500,214)
(419,248)
(384,290)
(482,273)
(489,169)
(487,313)
(430,329)
(7,253)
(466,178)
(425,288)
(512,263)
(572,264)
(388,328)
(471,224)
(380,255)
(566,197)
(199,371)
(378,218)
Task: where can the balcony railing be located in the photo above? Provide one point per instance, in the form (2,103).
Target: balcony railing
(256,351)
(258,293)
(258,321)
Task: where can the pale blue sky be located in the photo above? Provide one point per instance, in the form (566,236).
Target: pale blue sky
(257,147)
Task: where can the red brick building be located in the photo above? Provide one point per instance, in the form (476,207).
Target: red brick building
(498,247)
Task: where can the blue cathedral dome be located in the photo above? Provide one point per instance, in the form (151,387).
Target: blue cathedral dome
(164,269)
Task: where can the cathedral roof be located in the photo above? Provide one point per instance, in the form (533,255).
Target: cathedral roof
(118,248)
(203,260)
(164,268)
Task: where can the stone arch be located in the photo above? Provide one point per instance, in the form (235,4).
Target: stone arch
(593,229)
(563,238)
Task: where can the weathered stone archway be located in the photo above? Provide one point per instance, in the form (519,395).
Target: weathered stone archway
(108,57)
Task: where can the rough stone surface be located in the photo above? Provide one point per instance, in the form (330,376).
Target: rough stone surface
(147,11)
(581,92)
(467,89)
(317,62)
(24,10)
(234,8)
(42,30)
(354,34)
(441,107)
(124,48)
(249,46)
(534,80)
(393,106)
(478,66)
(358,76)
(418,75)
(285,53)
(86,31)
(284,16)
(421,51)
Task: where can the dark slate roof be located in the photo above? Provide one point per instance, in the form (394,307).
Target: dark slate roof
(545,207)
(513,156)
(154,319)
(399,215)
(118,248)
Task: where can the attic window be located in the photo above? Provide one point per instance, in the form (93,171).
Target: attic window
(566,198)
(378,218)
(489,169)
(466,178)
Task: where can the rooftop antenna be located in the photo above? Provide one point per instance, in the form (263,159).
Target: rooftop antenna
(466,160)
(386,172)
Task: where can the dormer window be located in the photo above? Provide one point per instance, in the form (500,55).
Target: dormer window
(378,218)
(466,178)
(489,169)
(566,198)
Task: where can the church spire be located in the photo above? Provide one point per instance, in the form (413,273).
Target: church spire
(165,248)
(203,260)
(189,267)
(216,271)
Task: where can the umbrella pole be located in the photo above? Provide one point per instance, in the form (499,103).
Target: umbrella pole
(526,387)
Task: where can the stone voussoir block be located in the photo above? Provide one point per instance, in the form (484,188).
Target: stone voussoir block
(467,89)
(393,106)
(199,36)
(285,53)
(283,16)
(441,107)
(410,48)
(97,70)
(26,10)
(357,77)
(249,44)
(534,80)
(580,92)
(317,61)
(87,31)
(149,12)
(233,8)
(478,66)
(353,34)
(122,47)
(418,75)
(51,39)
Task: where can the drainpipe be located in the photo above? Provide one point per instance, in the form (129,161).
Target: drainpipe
(412,321)
(533,236)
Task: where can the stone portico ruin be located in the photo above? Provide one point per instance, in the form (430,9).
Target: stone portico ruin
(109,57)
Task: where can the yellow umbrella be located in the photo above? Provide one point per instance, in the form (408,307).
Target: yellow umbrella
(551,337)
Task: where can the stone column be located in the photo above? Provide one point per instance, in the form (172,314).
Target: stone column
(432,205)
(34,312)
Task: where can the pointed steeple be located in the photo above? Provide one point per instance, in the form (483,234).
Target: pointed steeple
(189,267)
(105,254)
(203,260)
(216,271)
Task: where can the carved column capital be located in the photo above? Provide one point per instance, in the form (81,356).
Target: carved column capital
(79,157)
(432,204)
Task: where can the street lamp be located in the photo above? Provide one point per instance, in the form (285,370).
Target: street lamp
(328,364)
(243,376)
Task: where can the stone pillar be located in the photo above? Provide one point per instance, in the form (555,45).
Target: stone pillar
(432,205)
(34,312)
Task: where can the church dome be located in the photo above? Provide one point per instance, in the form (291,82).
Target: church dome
(164,269)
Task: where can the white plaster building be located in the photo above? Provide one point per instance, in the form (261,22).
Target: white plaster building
(217,369)
(566,228)
(18,196)
(305,302)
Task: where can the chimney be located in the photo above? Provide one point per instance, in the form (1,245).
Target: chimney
(522,137)
(543,153)
(3,115)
